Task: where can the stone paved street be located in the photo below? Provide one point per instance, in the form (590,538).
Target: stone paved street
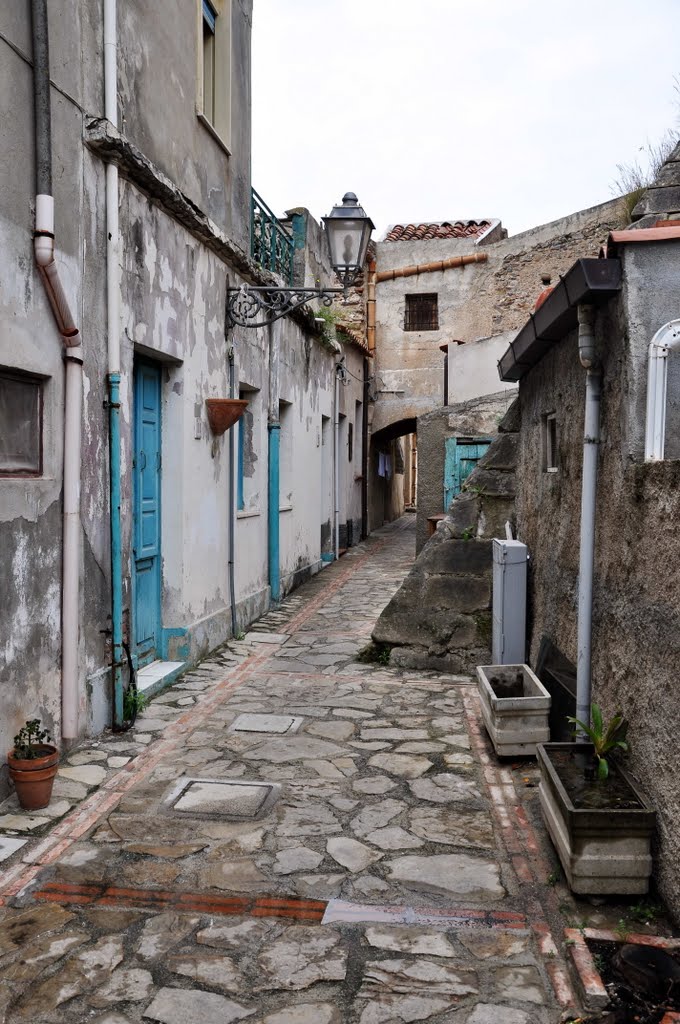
(290,836)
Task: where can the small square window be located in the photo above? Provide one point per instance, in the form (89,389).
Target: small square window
(20,424)
(551,443)
(421,313)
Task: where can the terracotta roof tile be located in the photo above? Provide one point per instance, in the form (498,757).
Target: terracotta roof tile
(444,229)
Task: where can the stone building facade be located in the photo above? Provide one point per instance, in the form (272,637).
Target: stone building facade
(154,198)
(477,286)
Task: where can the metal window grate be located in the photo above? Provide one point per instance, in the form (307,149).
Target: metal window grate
(421,313)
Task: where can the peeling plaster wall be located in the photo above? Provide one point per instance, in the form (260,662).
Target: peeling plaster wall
(158,59)
(31,508)
(636,615)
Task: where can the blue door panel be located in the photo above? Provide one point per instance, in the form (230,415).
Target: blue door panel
(460,458)
(147,512)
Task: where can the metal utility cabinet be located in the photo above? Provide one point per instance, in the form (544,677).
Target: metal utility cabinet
(509,602)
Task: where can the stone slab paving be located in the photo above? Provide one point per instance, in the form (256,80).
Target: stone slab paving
(382,884)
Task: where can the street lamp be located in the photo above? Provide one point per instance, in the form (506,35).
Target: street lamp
(348,231)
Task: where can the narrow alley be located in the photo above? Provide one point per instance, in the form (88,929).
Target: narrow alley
(288,835)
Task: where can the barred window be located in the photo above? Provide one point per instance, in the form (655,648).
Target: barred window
(421,313)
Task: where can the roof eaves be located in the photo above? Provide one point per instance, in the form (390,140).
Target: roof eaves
(592,281)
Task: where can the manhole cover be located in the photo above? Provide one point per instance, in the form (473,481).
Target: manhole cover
(211,798)
(266,723)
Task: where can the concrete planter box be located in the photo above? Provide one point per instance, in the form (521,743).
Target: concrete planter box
(518,721)
(602,850)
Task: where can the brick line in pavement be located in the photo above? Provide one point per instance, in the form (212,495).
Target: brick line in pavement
(518,836)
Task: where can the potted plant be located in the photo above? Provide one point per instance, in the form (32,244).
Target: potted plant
(600,822)
(515,708)
(33,763)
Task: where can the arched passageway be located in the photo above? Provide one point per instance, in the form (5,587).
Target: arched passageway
(392,472)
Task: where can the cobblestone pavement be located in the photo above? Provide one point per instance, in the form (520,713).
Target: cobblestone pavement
(288,836)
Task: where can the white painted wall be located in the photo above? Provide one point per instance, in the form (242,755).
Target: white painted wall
(473,369)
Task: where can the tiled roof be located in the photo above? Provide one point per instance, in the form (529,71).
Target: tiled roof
(445,229)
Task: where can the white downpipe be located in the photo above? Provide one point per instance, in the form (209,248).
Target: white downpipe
(336,464)
(73,404)
(666,340)
(591,443)
(43,247)
(111,113)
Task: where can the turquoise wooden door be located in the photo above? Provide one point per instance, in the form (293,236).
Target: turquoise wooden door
(146,526)
(461,457)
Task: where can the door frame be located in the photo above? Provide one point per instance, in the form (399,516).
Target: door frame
(453,444)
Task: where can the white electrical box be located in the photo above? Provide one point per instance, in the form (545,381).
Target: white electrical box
(508,638)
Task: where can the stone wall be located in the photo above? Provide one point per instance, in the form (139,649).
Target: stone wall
(478,301)
(441,616)
(636,613)
(477,418)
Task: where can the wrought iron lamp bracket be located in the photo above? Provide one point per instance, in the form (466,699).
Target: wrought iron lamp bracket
(261,306)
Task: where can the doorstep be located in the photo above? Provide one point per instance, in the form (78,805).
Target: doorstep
(155,677)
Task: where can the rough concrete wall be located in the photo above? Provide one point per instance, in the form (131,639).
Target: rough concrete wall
(477,418)
(158,53)
(473,368)
(441,618)
(30,508)
(636,616)
(476,302)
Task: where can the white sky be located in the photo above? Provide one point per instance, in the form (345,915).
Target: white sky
(447,109)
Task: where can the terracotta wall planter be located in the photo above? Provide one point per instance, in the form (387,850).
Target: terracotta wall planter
(224,412)
(603,850)
(33,779)
(515,708)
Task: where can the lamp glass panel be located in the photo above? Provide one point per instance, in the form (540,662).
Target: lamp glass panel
(344,239)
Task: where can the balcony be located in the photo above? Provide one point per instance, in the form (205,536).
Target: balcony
(270,244)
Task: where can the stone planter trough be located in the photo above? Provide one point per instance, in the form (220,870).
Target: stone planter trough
(515,708)
(603,850)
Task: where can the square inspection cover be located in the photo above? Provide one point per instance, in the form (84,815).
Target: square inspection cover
(214,799)
(279,724)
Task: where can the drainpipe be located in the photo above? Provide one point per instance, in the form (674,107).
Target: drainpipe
(43,245)
(274,435)
(113,338)
(591,442)
(336,462)
(666,340)
(370,306)
(364,454)
(232,496)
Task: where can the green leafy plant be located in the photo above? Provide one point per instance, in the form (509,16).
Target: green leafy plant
(29,741)
(644,912)
(607,738)
(467,533)
(553,878)
(133,703)
(240,635)
(375,654)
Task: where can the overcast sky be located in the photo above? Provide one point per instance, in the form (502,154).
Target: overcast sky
(447,109)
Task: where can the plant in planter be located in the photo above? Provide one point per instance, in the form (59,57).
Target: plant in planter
(600,822)
(515,708)
(33,764)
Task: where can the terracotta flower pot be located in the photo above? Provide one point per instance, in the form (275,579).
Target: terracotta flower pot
(33,779)
(223,412)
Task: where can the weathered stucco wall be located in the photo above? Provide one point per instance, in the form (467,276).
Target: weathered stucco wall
(476,302)
(473,370)
(636,617)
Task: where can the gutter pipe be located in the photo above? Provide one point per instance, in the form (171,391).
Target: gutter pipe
(232,498)
(370,307)
(113,343)
(43,247)
(336,463)
(430,268)
(274,454)
(666,340)
(591,442)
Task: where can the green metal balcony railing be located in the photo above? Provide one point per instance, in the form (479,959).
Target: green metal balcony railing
(270,244)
